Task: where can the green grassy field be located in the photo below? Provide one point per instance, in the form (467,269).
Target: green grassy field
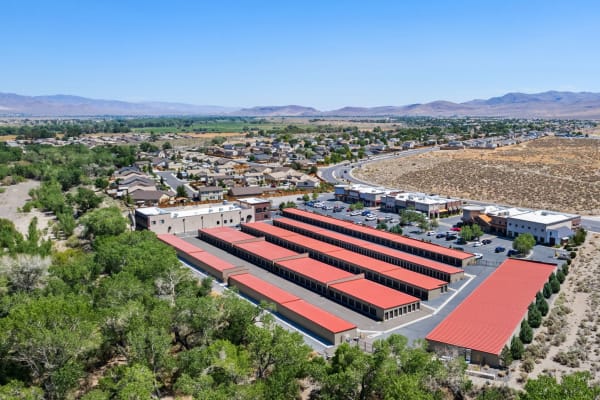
(215,126)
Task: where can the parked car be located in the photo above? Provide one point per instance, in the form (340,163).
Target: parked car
(477,244)
(512,252)
(326,207)
(440,235)
(431,233)
(365,213)
(461,241)
(455,229)
(310,203)
(486,241)
(348,209)
(478,256)
(355,213)
(370,218)
(451,237)
(499,249)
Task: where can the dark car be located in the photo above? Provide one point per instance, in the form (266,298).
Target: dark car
(451,237)
(486,241)
(512,252)
(440,235)
(499,249)
(461,241)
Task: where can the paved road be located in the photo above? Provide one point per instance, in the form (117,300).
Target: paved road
(342,173)
(171,180)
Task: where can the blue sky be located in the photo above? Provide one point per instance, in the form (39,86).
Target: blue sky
(325,54)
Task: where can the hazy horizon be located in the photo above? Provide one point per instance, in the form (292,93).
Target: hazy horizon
(322,55)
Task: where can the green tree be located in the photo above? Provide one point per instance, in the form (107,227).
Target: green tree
(534,316)
(466,233)
(524,243)
(86,200)
(16,390)
(305,197)
(477,231)
(542,305)
(547,290)
(526,333)
(181,192)
(506,356)
(103,222)
(167,146)
(434,223)
(51,337)
(516,348)
(554,283)
(395,229)
(560,275)
(382,226)
(101,183)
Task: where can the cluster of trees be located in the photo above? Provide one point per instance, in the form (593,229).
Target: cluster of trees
(410,216)
(12,242)
(73,128)
(69,165)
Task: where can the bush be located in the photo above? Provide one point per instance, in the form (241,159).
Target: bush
(572,255)
(555,285)
(542,306)
(560,275)
(565,269)
(534,316)
(547,290)
(526,333)
(528,364)
(516,348)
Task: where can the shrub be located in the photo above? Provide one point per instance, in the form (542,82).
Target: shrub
(555,284)
(526,333)
(565,269)
(528,364)
(516,348)
(547,290)
(572,255)
(542,305)
(534,316)
(560,275)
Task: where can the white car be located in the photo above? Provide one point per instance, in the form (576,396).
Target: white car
(355,213)
(477,244)
(431,233)
(371,217)
(478,256)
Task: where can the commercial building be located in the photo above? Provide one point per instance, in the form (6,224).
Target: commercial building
(261,207)
(491,315)
(412,283)
(420,248)
(409,261)
(368,195)
(430,205)
(372,299)
(547,227)
(191,218)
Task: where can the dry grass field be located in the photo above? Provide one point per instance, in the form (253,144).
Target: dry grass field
(549,173)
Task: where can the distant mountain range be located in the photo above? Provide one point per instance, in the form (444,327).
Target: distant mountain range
(552,104)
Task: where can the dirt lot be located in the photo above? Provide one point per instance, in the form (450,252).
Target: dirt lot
(549,173)
(14,197)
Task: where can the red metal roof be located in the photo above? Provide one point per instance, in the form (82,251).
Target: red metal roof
(272,292)
(227,234)
(266,250)
(375,294)
(486,320)
(413,278)
(268,228)
(434,248)
(320,317)
(293,237)
(212,261)
(179,244)
(375,247)
(315,270)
